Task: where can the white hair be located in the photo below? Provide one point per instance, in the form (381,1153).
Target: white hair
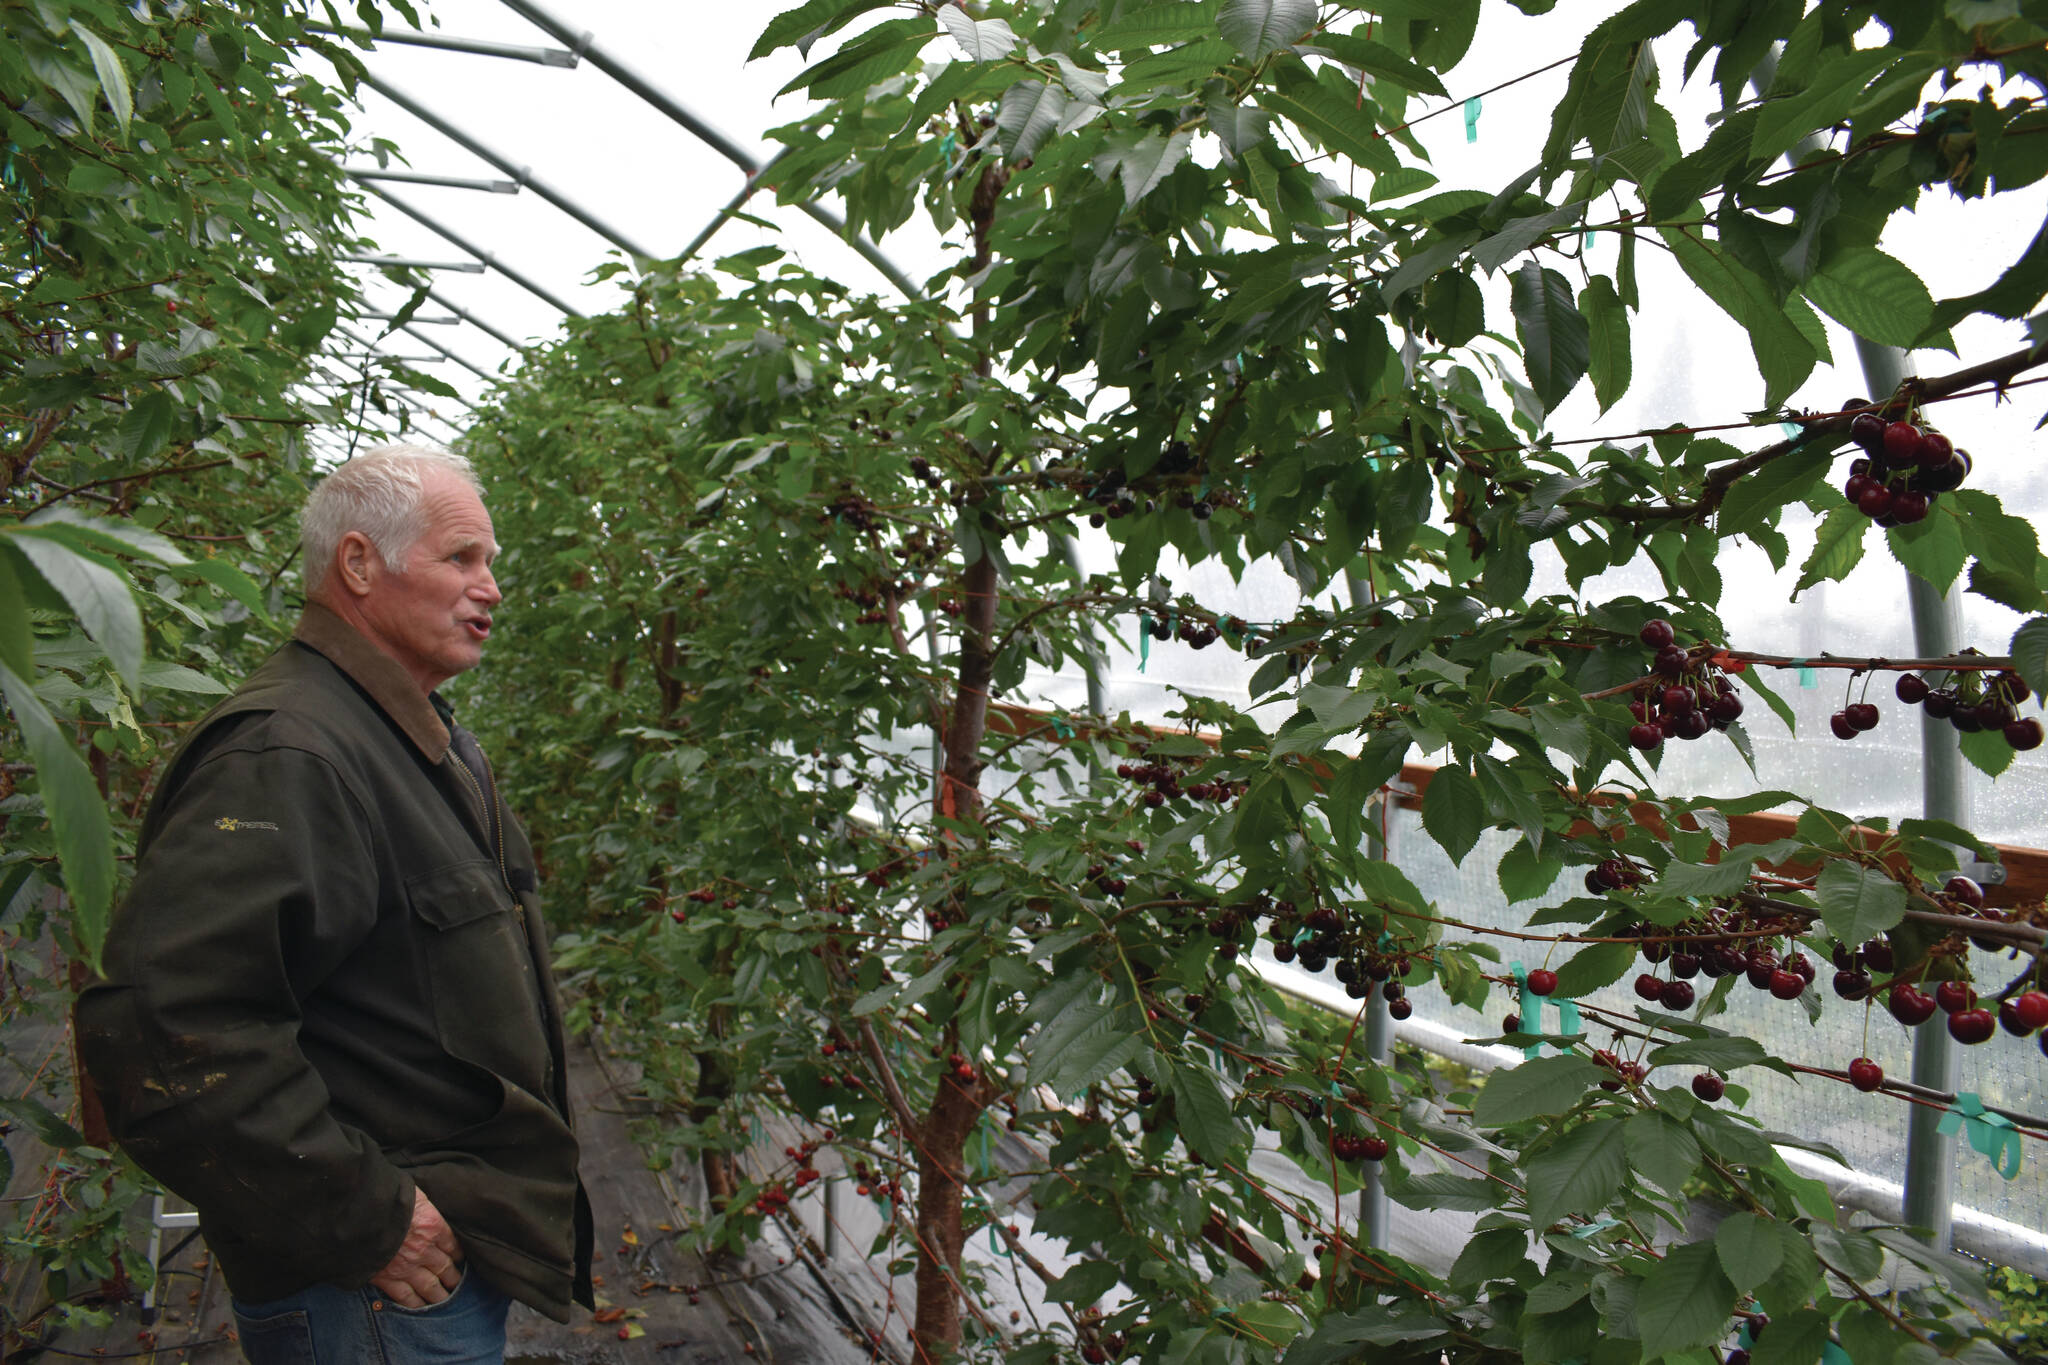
(379,493)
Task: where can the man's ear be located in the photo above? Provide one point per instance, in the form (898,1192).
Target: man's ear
(356,564)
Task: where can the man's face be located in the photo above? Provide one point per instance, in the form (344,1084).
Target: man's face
(435,617)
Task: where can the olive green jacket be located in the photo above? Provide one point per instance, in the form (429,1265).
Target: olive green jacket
(330,984)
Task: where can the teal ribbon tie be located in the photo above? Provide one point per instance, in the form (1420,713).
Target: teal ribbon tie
(1807,677)
(1472,119)
(1144,641)
(1992,1134)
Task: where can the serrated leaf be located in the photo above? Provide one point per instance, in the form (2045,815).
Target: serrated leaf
(1454,811)
(1141,160)
(983,40)
(1783,355)
(1259,28)
(1724,878)
(1607,328)
(1750,1248)
(1872,295)
(1858,903)
(106,64)
(816,18)
(1987,751)
(1556,342)
(1751,501)
(1537,1088)
(17,639)
(1068,1059)
(1335,124)
(1664,1150)
(77,815)
(1580,1173)
(1030,113)
(1203,1114)
(1684,1302)
(2029,652)
(1592,967)
(1721,1054)
(43,1122)
(1524,874)
(1836,550)
(231,581)
(95,589)
(1931,549)
(170,677)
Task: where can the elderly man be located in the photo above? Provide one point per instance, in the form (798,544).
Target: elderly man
(327,1018)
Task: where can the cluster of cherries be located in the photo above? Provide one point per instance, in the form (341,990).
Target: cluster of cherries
(1360,968)
(1903,467)
(1162,781)
(1973,702)
(1685,699)
(1356,1147)
(1198,634)
(869,1183)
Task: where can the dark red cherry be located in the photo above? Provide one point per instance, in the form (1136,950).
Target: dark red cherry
(1867,430)
(1865,1074)
(1972,1026)
(1861,714)
(1657,633)
(1910,505)
(1901,442)
(2024,734)
(1911,688)
(1843,727)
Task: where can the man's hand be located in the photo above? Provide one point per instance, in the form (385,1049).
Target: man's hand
(427,1267)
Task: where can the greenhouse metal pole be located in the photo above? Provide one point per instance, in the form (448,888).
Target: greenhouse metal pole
(1930,1178)
(1374,1209)
(716,140)
(1930,1181)
(476,47)
(484,256)
(521,174)
(476,322)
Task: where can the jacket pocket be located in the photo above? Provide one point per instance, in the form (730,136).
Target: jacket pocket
(486,1000)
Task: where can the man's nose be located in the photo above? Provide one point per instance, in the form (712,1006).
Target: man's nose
(486,589)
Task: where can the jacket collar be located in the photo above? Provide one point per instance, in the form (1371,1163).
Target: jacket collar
(378,674)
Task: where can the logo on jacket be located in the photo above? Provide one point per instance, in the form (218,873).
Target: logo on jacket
(230,824)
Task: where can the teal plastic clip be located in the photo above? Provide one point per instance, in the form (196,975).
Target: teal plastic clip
(1992,1134)
(1144,641)
(1062,729)
(1807,677)
(1531,1007)
(1472,119)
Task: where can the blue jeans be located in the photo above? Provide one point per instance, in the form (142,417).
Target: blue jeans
(327,1325)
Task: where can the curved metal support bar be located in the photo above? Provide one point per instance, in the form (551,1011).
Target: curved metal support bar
(453,182)
(539,56)
(486,257)
(475,321)
(709,135)
(415,263)
(520,174)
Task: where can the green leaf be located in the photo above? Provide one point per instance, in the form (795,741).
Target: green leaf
(1084,1044)
(983,40)
(1931,549)
(52,1130)
(2029,652)
(1453,811)
(1987,751)
(1586,971)
(1816,101)
(1724,878)
(1685,1301)
(1754,499)
(1872,295)
(106,63)
(1490,1256)
(95,589)
(1030,113)
(1382,63)
(1142,160)
(1334,123)
(1607,330)
(1719,1054)
(1337,1337)
(1085,1283)
(1795,1338)
(170,677)
(1750,1247)
(1836,549)
(1524,874)
(1858,903)
(1537,1088)
(1580,1173)
(77,814)
(17,640)
(1162,24)
(1664,1150)
(1556,342)
(1203,1114)
(231,581)
(813,19)
(1783,355)
(1259,28)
